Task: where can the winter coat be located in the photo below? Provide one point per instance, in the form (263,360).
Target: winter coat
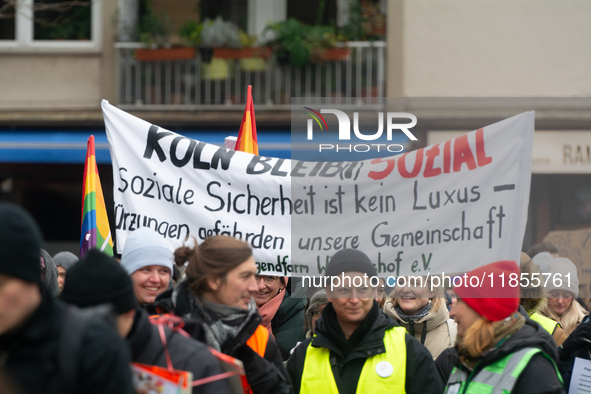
(538,377)
(533,298)
(31,354)
(50,274)
(566,367)
(264,374)
(438,336)
(349,368)
(288,324)
(186,354)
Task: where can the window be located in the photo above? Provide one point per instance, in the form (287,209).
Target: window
(50,25)
(7,16)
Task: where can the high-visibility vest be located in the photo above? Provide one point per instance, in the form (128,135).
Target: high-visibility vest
(383,373)
(546,323)
(258,340)
(497,378)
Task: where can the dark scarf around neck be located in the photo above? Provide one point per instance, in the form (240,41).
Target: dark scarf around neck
(335,332)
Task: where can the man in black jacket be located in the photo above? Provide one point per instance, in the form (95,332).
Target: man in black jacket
(33,324)
(98,279)
(357,348)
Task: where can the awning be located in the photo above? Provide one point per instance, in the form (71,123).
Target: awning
(69,147)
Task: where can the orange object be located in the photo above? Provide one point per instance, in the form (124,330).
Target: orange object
(247,137)
(258,340)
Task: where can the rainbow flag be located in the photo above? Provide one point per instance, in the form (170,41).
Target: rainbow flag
(95,231)
(247,137)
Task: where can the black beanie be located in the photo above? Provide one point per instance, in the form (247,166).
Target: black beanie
(20,244)
(350,260)
(99,279)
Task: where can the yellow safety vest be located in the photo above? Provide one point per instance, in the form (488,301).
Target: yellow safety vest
(546,323)
(381,374)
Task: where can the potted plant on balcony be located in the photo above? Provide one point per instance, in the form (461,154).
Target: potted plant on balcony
(154,31)
(298,44)
(217,35)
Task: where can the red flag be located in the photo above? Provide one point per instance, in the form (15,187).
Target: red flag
(247,137)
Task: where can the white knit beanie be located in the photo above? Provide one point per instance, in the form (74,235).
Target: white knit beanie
(145,247)
(558,269)
(543,260)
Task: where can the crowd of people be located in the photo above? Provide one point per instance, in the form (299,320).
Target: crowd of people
(76,326)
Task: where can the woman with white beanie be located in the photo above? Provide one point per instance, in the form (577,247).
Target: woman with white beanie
(562,288)
(148,261)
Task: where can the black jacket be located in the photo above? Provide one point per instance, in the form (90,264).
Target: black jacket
(186,354)
(539,377)
(420,371)
(264,374)
(32,355)
(566,366)
(288,323)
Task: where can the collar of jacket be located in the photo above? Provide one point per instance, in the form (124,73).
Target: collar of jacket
(181,299)
(530,335)
(140,333)
(294,302)
(371,344)
(433,319)
(42,323)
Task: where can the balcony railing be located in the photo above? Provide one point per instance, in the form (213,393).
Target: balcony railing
(221,85)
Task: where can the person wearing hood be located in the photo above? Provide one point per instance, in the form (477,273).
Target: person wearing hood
(356,347)
(98,279)
(423,313)
(215,301)
(281,307)
(148,261)
(562,306)
(63,261)
(533,298)
(49,274)
(498,349)
(314,311)
(35,327)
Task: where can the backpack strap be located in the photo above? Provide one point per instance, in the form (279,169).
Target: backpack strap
(452,329)
(75,322)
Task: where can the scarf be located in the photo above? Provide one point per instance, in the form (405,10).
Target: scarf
(410,320)
(221,323)
(502,330)
(420,314)
(269,310)
(335,332)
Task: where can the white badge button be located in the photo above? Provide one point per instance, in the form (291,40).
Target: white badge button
(384,369)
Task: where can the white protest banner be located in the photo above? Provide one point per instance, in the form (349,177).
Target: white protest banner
(449,207)
(181,187)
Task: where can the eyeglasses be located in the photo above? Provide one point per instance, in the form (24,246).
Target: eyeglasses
(269,280)
(361,292)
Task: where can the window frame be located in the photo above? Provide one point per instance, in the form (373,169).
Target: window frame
(24,41)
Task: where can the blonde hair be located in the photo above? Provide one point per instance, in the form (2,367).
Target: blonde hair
(570,319)
(437,300)
(478,338)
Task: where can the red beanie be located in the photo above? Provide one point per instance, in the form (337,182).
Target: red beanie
(496,300)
